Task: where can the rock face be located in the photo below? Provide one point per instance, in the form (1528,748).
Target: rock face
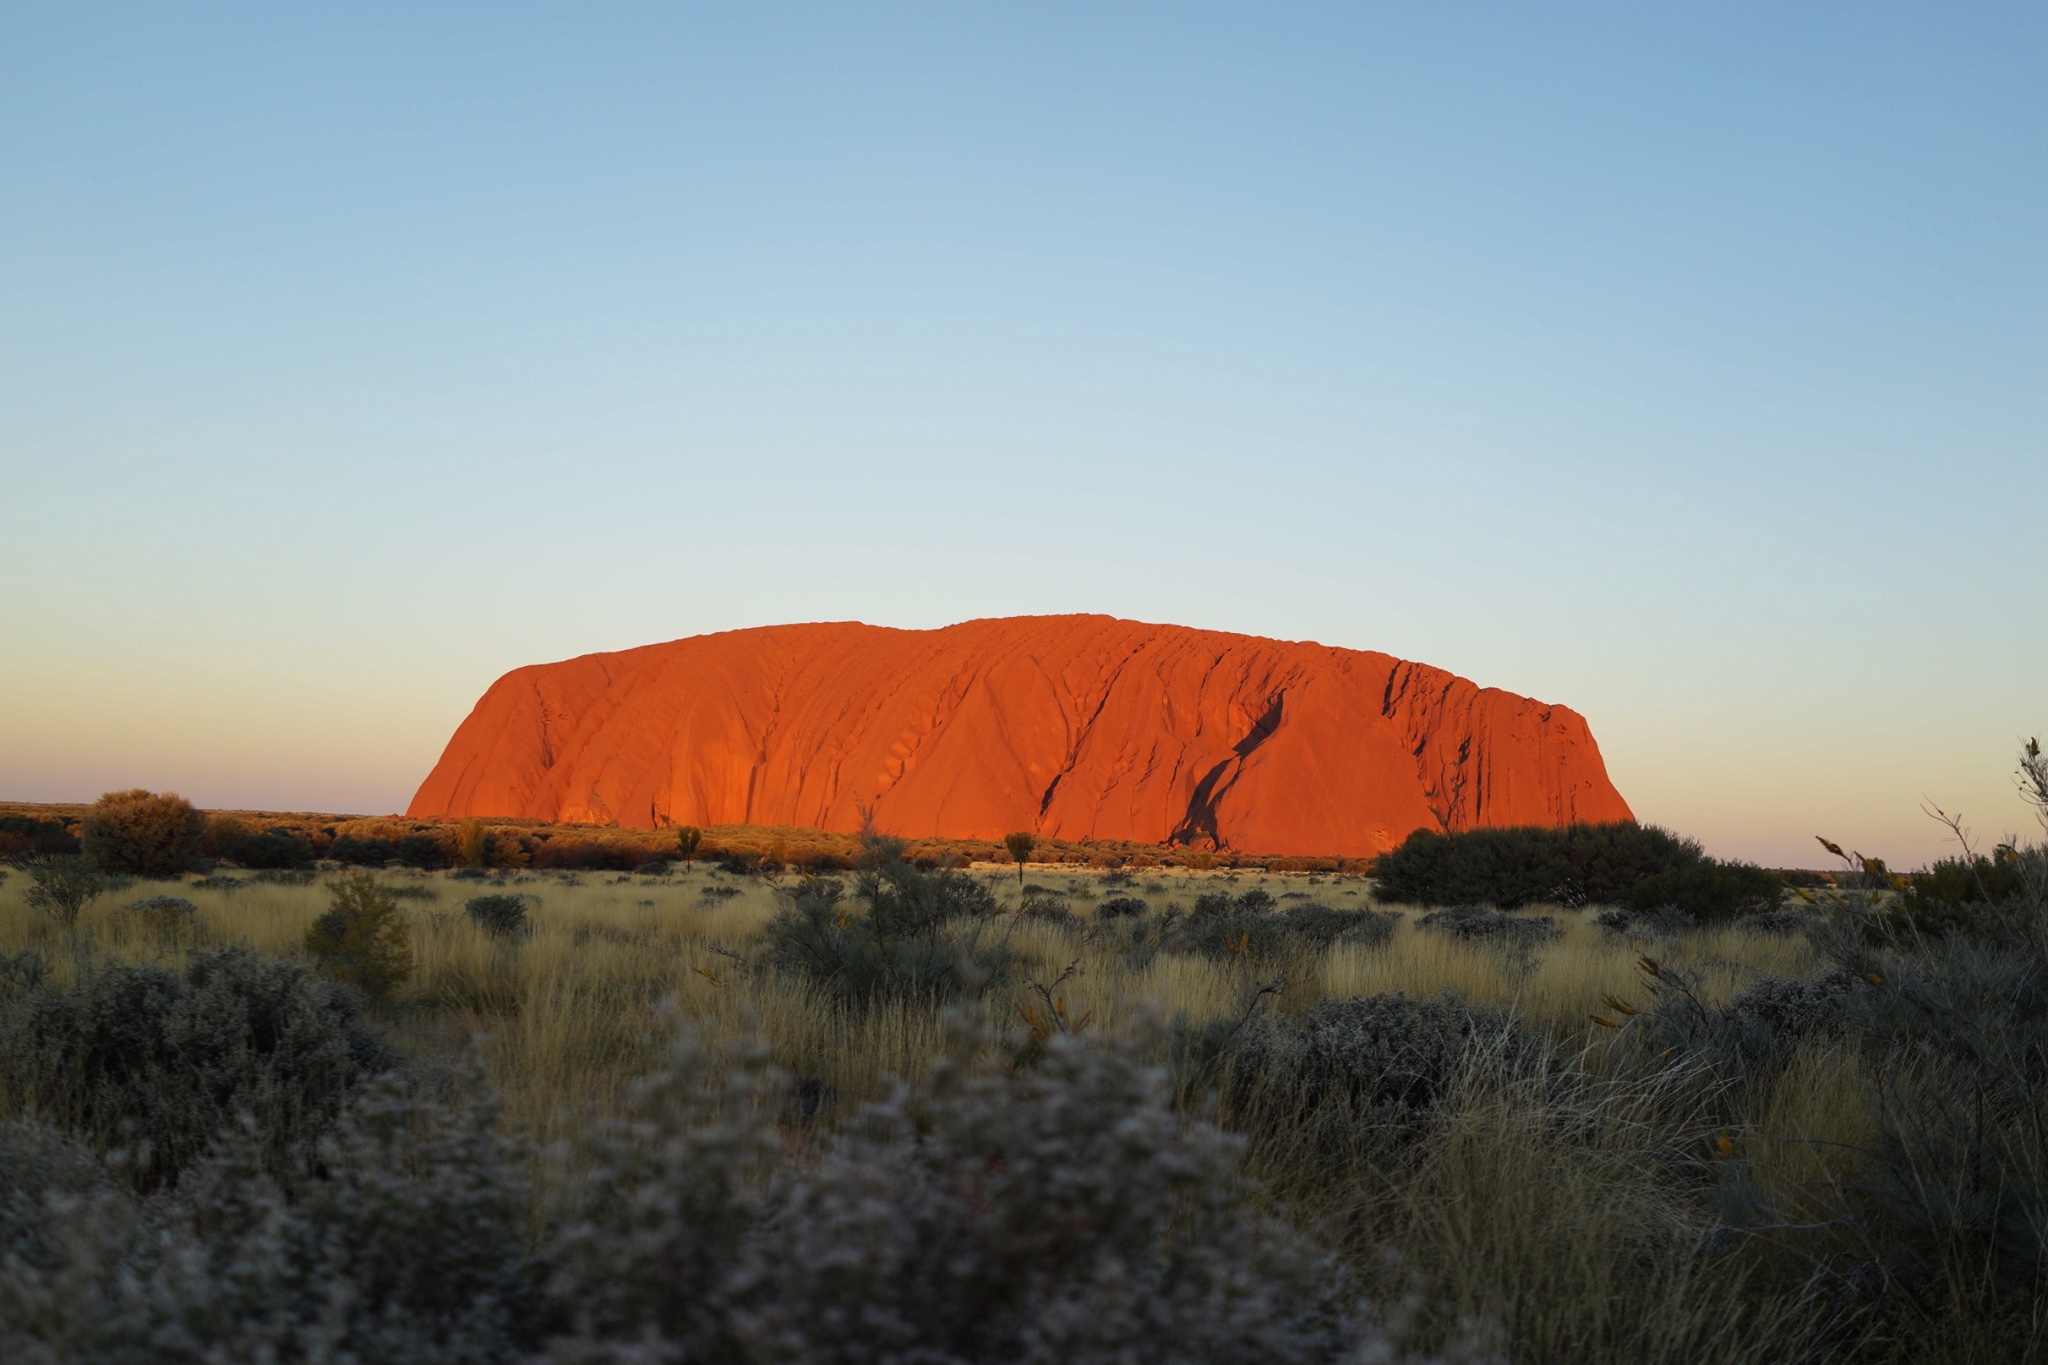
(1069,726)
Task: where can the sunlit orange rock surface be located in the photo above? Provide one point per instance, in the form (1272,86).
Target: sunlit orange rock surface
(1070,726)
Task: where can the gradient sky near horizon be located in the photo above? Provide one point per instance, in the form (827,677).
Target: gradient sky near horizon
(1685,365)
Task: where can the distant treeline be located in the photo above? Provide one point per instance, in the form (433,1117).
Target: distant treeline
(287,841)
(1639,866)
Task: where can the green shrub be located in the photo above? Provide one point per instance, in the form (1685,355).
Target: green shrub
(141,833)
(409,850)
(499,916)
(1709,891)
(161,1063)
(62,887)
(361,940)
(914,937)
(1945,897)
(1510,868)
(863,959)
(1119,907)
(275,848)
(904,900)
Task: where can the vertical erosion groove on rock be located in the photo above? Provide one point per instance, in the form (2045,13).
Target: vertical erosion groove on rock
(1070,726)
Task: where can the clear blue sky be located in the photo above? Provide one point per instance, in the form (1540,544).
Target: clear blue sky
(1686,365)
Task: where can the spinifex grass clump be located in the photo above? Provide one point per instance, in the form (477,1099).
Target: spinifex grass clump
(501,917)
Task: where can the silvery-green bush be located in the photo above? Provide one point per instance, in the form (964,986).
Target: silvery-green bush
(1061,1213)
(399,1240)
(158,1063)
(1794,1007)
(1370,1066)
(915,936)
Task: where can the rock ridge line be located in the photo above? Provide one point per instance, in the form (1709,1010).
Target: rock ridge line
(1073,727)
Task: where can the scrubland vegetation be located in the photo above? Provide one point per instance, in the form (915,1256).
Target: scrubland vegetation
(918,1113)
(274,841)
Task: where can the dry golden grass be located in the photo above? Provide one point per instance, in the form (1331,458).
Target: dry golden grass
(568,1015)
(1563,982)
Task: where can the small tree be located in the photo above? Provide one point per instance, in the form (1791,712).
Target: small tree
(687,839)
(64,886)
(142,833)
(472,843)
(1020,845)
(362,940)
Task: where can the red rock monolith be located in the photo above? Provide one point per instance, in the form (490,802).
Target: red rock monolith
(1070,726)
